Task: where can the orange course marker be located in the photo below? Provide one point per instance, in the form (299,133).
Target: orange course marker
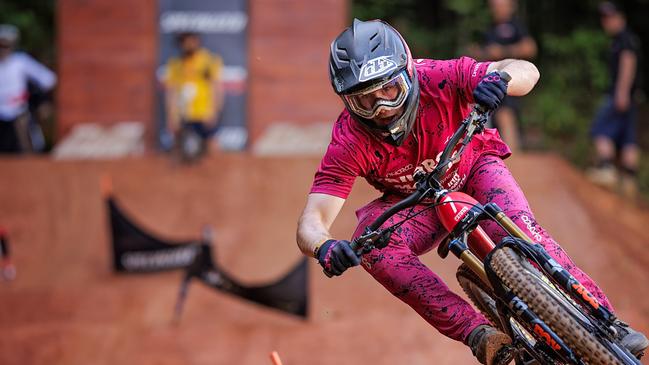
(106,186)
(274,357)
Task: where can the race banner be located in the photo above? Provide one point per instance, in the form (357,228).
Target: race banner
(137,251)
(289,294)
(222,27)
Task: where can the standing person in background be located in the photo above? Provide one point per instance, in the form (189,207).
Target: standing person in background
(507,38)
(614,125)
(193,90)
(17,69)
(7,268)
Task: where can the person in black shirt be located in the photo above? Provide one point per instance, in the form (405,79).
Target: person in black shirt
(614,125)
(506,38)
(7,268)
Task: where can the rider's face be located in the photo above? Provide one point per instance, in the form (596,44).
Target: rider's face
(386,116)
(387,92)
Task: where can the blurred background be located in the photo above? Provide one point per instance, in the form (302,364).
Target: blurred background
(235,146)
(110,61)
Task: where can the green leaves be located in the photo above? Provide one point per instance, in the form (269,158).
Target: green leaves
(573,79)
(35,19)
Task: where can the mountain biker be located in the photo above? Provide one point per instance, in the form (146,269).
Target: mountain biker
(398,115)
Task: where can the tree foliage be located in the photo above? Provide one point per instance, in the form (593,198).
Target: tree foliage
(35,20)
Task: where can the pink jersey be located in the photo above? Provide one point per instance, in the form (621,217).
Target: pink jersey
(446,96)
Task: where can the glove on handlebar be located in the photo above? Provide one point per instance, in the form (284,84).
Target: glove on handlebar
(491,91)
(336,256)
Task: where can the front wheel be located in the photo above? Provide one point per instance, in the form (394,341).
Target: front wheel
(528,285)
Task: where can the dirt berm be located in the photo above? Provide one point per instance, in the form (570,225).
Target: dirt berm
(67,307)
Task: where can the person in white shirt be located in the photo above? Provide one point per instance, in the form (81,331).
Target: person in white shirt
(16,70)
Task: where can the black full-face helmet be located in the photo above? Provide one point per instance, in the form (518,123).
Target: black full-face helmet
(371,69)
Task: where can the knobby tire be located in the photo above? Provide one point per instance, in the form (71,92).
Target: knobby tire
(527,286)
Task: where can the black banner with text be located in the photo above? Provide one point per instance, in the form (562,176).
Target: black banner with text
(138,251)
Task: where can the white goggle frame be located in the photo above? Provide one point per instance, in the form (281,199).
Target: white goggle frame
(368,106)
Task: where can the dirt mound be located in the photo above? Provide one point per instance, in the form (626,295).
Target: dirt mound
(67,307)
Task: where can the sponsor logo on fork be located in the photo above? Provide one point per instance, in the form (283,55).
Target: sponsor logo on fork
(530,227)
(588,297)
(546,337)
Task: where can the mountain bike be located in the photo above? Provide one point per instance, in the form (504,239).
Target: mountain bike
(522,290)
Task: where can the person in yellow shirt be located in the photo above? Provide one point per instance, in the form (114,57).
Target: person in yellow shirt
(193,90)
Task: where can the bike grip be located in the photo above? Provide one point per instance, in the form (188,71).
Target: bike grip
(505,76)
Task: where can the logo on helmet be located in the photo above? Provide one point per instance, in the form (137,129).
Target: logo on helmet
(376,67)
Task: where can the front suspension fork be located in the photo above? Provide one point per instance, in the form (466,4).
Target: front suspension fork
(560,275)
(460,249)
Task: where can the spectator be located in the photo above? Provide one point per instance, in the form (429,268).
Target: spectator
(7,268)
(193,90)
(17,70)
(614,125)
(506,38)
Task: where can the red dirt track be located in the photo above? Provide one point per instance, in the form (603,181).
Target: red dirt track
(67,306)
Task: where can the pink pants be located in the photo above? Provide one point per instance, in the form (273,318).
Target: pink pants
(399,270)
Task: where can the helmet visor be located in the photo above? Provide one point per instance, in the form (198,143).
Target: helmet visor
(387,95)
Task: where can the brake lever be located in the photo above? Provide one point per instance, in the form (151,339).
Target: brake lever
(367,242)
(479,118)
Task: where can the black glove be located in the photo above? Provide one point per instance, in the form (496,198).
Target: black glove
(336,256)
(491,91)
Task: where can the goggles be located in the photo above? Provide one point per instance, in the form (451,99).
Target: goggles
(388,95)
